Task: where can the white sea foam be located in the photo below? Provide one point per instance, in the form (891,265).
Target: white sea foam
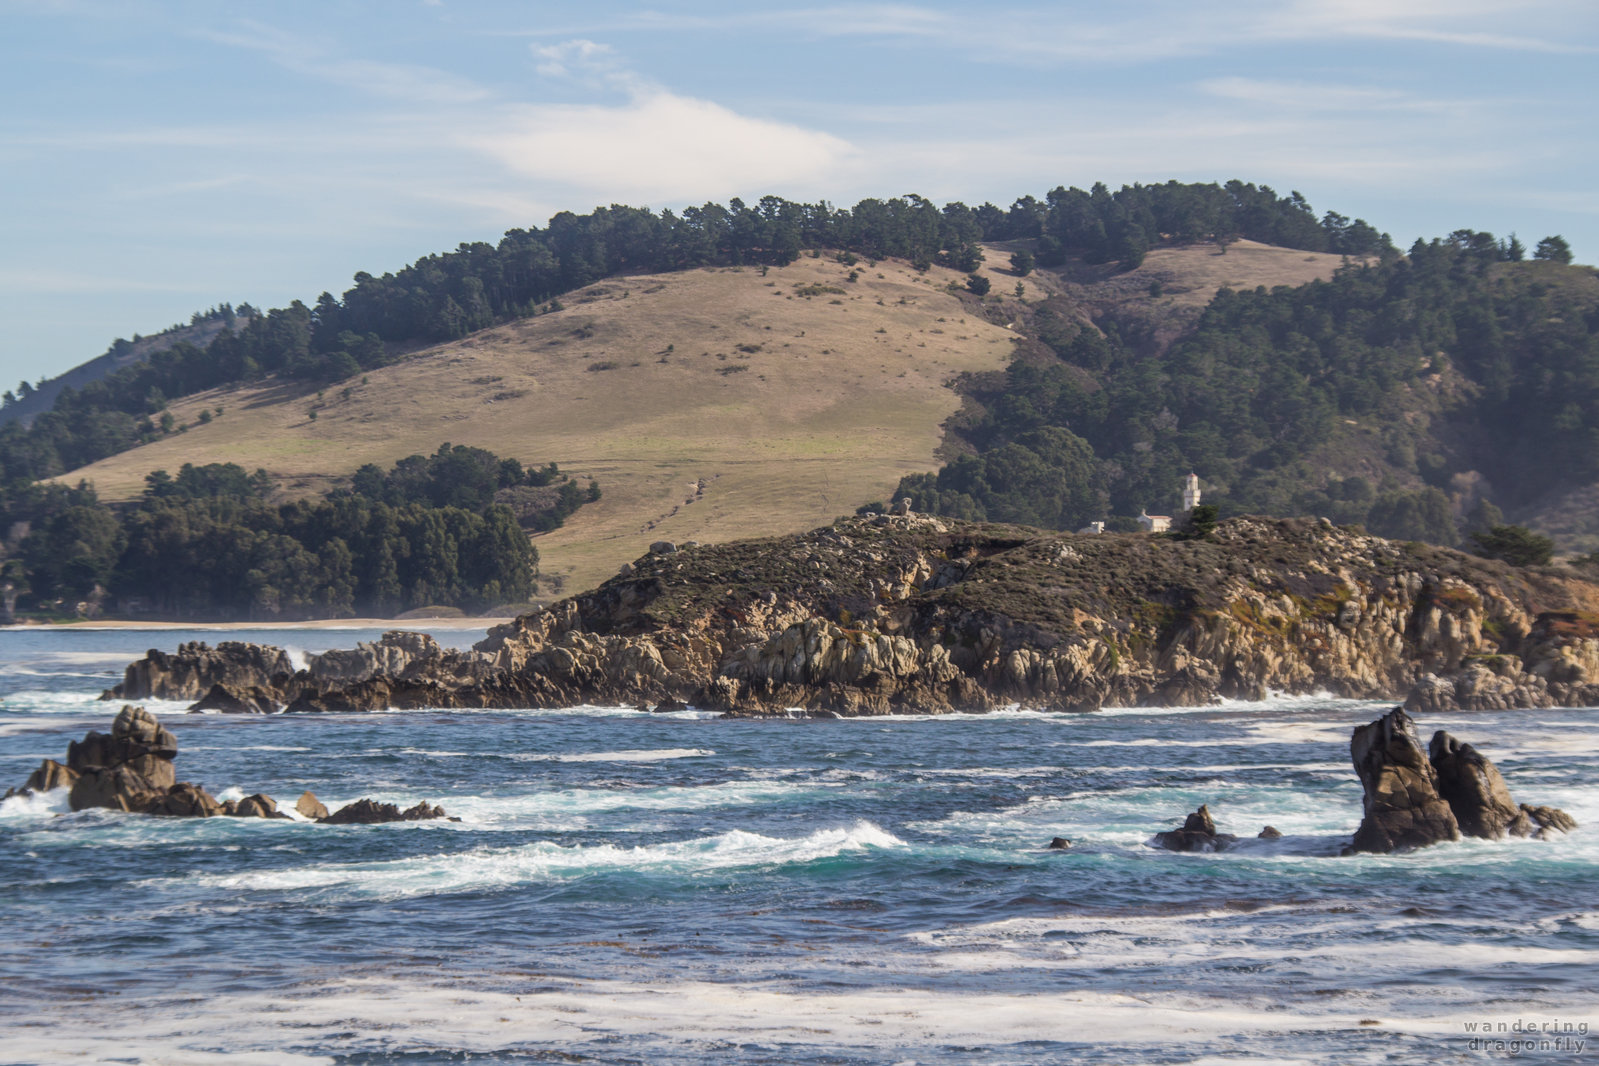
(685,1016)
(643,755)
(494,868)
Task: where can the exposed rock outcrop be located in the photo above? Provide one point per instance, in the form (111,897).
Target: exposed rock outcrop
(1402,807)
(370,812)
(1197,834)
(191,672)
(908,613)
(1479,798)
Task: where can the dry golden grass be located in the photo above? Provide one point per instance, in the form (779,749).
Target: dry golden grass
(710,404)
(843,393)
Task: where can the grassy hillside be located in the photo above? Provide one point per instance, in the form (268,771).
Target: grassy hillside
(709,404)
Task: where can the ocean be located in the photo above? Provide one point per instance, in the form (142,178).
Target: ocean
(636,888)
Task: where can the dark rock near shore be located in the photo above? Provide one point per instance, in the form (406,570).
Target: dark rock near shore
(220,697)
(1197,834)
(50,775)
(184,800)
(1403,809)
(1271,832)
(1059,844)
(370,812)
(1479,798)
(257,806)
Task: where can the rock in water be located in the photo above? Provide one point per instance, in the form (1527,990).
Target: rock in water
(1479,797)
(1197,834)
(1271,832)
(50,775)
(310,807)
(1059,844)
(370,812)
(1403,809)
(184,800)
(190,673)
(257,806)
(235,701)
(127,770)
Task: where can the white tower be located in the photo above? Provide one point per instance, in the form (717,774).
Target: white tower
(1191,492)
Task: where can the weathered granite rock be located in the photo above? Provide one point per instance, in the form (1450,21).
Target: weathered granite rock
(257,806)
(1403,809)
(228,700)
(196,666)
(391,656)
(1479,797)
(310,807)
(1549,819)
(913,614)
(1059,844)
(184,800)
(370,812)
(50,775)
(1197,834)
(125,769)
(1271,832)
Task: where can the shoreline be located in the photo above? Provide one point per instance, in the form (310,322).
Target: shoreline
(323,623)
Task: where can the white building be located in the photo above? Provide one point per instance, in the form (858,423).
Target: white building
(1154,523)
(1191,493)
(1093,527)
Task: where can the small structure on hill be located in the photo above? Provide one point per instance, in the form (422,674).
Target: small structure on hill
(1153,523)
(1093,527)
(1191,493)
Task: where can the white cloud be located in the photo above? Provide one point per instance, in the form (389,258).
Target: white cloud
(659,147)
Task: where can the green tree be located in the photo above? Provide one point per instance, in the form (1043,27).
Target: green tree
(1554,249)
(978,284)
(1516,545)
(1022,263)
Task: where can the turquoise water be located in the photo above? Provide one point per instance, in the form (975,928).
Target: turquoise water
(630,888)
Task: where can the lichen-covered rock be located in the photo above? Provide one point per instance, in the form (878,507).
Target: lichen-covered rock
(1402,807)
(913,614)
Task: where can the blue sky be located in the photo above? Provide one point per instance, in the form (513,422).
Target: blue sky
(160,157)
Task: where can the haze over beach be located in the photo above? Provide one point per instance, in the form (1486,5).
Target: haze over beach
(878,534)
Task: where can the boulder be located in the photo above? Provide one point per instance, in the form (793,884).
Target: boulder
(310,807)
(1474,790)
(50,775)
(190,672)
(370,812)
(1402,807)
(257,806)
(120,788)
(662,547)
(1271,832)
(220,697)
(1479,797)
(125,769)
(1197,834)
(184,800)
(1059,844)
(1549,819)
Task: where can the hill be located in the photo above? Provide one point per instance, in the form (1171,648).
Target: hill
(708,404)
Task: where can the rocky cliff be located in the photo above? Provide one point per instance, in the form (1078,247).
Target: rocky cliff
(905,613)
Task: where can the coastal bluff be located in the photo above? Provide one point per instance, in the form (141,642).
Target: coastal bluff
(912,614)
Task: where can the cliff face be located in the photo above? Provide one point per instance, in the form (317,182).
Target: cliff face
(886,614)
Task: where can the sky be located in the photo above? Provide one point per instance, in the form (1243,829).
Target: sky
(159,158)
